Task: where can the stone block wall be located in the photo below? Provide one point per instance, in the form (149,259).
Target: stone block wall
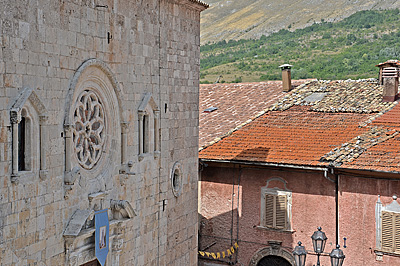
(52,52)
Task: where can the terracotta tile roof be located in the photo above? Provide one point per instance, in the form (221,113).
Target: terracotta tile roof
(383,152)
(389,62)
(391,118)
(385,156)
(362,96)
(236,104)
(320,123)
(354,148)
(295,136)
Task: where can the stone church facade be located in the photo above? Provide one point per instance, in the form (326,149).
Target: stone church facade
(99,110)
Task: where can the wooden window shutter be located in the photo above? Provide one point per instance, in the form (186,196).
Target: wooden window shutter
(281,212)
(387,232)
(269,210)
(397,232)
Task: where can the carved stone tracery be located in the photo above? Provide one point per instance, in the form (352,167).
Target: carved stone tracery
(88,132)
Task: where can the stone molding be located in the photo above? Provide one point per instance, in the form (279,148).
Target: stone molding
(94,82)
(148,108)
(176,184)
(77,76)
(29,101)
(80,231)
(275,249)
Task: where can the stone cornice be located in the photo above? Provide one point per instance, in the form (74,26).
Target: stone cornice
(198,5)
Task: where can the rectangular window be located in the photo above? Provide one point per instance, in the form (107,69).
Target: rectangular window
(146,134)
(275,211)
(391,232)
(21,145)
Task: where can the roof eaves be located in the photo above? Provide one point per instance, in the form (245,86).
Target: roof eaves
(198,3)
(267,164)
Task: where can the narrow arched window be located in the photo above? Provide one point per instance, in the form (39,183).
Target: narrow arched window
(24,143)
(146,134)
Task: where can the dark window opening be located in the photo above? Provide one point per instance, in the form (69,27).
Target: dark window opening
(273,261)
(145,134)
(22,145)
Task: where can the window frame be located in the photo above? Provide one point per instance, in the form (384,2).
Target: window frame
(276,193)
(393,210)
(34,149)
(394,231)
(149,128)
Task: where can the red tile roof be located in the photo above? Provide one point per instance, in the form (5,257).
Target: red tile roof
(391,118)
(384,156)
(338,123)
(236,104)
(295,136)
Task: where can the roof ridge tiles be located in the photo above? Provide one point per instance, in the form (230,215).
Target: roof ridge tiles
(352,149)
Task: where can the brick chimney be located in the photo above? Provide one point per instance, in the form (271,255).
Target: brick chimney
(390,76)
(388,63)
(286,77)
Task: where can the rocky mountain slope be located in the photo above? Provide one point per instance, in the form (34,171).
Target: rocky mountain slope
(247,19)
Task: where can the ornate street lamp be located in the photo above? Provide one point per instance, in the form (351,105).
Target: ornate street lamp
(319,239)
(300,254)
(337,256)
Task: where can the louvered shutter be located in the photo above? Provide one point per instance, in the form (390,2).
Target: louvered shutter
(387,232)
(281,212)
(269,210)
(397,232)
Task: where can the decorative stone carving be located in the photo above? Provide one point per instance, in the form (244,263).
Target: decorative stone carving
(121,209)
(274,250)
(92,122)
(176,179)
(96,200)
(15,116)
(78,222)
(70,177)
(29,102)
(79,233)
(88,132)
(117,244)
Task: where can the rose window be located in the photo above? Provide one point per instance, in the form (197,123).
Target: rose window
(88,133)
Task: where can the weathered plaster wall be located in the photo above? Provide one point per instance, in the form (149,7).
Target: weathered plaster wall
(154,49)
(357,201)
(313,204)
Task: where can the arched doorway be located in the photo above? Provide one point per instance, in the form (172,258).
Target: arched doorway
(273,261)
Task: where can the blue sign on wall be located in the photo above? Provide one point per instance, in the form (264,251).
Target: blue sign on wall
(101,235)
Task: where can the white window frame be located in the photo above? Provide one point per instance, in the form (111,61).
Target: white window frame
(392,209)
(265,191)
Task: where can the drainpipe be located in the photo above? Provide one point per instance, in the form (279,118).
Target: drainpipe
(331,170)
(337,206)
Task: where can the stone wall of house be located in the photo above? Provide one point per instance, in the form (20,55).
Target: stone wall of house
(83,73)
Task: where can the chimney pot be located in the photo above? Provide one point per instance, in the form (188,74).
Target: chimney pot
(390,77)
(286,77)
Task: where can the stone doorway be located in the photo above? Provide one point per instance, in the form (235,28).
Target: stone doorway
(92,263)
(273,261)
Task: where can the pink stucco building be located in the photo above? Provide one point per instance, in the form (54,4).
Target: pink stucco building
(326,153)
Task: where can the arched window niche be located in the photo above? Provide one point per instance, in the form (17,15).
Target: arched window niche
(95,131)
(149,129)
(28,117)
